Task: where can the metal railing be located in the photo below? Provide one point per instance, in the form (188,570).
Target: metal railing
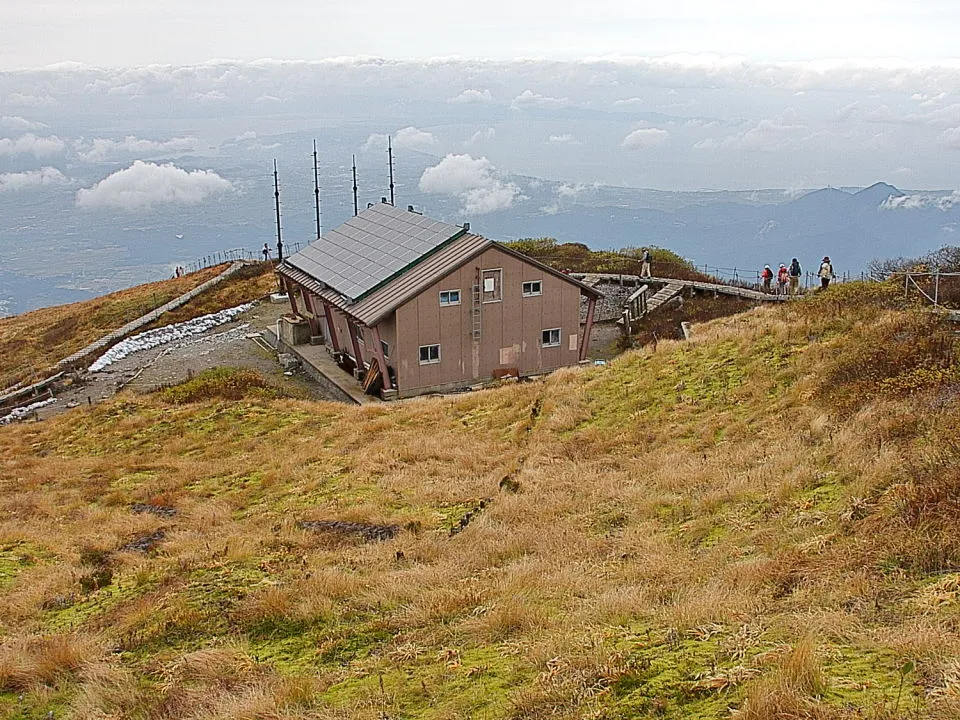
(224,256)
(928,284)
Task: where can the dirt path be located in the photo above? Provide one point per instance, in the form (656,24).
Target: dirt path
(226,345)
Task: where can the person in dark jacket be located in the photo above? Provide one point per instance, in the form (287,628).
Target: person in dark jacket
(794,272)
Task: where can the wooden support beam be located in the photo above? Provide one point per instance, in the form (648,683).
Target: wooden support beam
(355,340)
(311,302)
(328,311)
(381,358)
(288,286)
(587,328)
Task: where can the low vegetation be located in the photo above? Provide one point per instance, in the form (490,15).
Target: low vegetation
(759,523)
(577,257)
(30,344)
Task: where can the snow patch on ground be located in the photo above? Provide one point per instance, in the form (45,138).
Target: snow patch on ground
(166,335)
(21,413)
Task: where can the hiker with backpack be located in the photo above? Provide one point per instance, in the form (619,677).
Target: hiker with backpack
(782,277)
(645,264)
(794,276)
(825,273)
(766,276)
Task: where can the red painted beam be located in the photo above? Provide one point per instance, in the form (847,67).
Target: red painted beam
(328,311)
(587,328)
(378,353)
(354,338)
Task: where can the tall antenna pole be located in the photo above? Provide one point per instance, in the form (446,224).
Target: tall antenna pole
(276,194)
(356,208)
(316,186)
(390,159)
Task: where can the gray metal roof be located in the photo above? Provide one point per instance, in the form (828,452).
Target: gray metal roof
(391,295)
(368,250)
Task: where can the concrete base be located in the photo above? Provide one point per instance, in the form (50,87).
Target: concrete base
(294,331)
(320,365)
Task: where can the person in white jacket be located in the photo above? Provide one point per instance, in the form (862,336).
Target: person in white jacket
(825,273)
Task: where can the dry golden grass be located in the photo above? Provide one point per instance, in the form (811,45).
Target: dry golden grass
(35,341)
(32,343)
(726,525)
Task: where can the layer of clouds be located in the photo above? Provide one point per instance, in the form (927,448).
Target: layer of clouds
(103,149)
(474,181)
(644,138)
(472,97)
(144,185)
(31,144)
(11,182)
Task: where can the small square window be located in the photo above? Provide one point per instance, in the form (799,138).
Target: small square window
(532,288)
(550,338)
(430,354)
(385,348)
(449,297)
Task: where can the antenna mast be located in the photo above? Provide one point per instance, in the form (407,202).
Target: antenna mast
(276,194)
(390,159)
(356,209)
(316,186)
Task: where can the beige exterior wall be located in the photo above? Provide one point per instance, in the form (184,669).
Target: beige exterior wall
(510,331)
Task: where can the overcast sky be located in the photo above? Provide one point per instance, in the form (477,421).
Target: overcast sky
(135,32)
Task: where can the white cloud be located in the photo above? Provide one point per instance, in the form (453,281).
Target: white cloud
(644,138)
(705,145)
(563,139)
(767,135)
(530,99)
(409,138)
(481,136)
(629,102)
(143,185)
(922,202)
(474,181)
(30,144)
(101,149)
(11,182)
(468,97)
(413,139)
(19,124)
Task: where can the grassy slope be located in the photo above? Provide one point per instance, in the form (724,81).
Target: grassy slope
(759,521)
(33,342)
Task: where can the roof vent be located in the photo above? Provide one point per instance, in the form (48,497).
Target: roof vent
(466,226)
(369,205)
(383,200)
(410,208)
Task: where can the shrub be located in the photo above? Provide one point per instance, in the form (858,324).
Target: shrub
(223,383)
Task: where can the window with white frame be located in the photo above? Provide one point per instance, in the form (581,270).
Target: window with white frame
(532,288)
(492,281)
(550,338)
(449,297)
(430,354)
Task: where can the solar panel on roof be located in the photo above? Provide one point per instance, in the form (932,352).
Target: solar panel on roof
(370,248)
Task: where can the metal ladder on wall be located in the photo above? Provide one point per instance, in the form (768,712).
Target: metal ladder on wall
(477,304)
